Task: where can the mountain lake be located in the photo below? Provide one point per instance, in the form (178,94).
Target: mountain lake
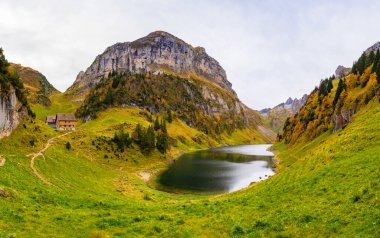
(219,170)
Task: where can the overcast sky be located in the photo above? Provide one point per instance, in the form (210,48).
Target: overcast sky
(270,49)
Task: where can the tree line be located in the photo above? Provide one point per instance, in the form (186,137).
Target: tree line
(148,139)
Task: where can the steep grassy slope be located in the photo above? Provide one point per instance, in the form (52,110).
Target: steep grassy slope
(327,187)
(199,104)
(38,87)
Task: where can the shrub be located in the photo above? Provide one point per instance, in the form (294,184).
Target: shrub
(238,230)
(68,146)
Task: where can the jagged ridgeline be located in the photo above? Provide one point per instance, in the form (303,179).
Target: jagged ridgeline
(162,73)
(331,105)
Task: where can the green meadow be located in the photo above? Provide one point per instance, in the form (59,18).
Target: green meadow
(329,187)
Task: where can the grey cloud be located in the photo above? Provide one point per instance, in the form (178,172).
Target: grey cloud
(270,49)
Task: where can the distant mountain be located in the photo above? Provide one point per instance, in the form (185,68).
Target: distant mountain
(161,73)
(275,117)
(38,88)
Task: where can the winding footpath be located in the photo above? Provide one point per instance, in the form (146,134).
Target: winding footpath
(40,153)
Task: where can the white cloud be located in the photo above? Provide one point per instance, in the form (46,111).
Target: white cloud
(270,49)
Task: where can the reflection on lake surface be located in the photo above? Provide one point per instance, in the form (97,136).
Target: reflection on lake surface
(219,170)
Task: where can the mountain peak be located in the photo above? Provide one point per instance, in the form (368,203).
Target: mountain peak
(160,33)
(157,52)
(289,101)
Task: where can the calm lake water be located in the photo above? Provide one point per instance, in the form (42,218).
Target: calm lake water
(219,170)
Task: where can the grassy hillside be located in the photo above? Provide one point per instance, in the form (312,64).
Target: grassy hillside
(198,103)
(38,88)
(327,187)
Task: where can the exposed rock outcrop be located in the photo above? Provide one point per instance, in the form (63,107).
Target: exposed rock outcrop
(374,48)
(342,71)
(12,112)
(157,52)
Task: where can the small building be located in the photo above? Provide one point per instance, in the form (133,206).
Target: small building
(50,120)
(62,121)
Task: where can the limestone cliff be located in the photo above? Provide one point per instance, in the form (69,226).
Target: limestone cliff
(157,52)
(12,112)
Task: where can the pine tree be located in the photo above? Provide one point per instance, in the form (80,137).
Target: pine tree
(156,124)
(369,59)
(330,84)
(354,68)
(169,116)
(163,126)
(108,100)
(162,142)
(138,134)
(339,90)
(150,139)
(362,63)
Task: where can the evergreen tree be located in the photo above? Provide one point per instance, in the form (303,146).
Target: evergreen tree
(322,88)
(339,90)
(362,63)
(122,140)
(163,126)
(330,84)
(156,124)
(108,100)
(138,134)
(162,142)
(169,116)
(354,68)
(369,59)
(149,139)
(162,138)
(376,62)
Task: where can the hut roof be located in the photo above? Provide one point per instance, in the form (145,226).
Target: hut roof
(66,117)
(50,119)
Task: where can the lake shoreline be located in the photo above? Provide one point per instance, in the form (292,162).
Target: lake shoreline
(153,177)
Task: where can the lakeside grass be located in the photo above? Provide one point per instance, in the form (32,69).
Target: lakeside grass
(328,187)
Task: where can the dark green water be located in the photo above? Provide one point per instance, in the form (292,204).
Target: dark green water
(220,170)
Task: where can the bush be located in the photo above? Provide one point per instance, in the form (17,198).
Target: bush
(238,230)
(122,140)
(68,146)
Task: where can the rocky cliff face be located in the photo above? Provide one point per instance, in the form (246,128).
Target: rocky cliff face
(12,112)
(275,117)
(157,52)
(342,71)
(373,48)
